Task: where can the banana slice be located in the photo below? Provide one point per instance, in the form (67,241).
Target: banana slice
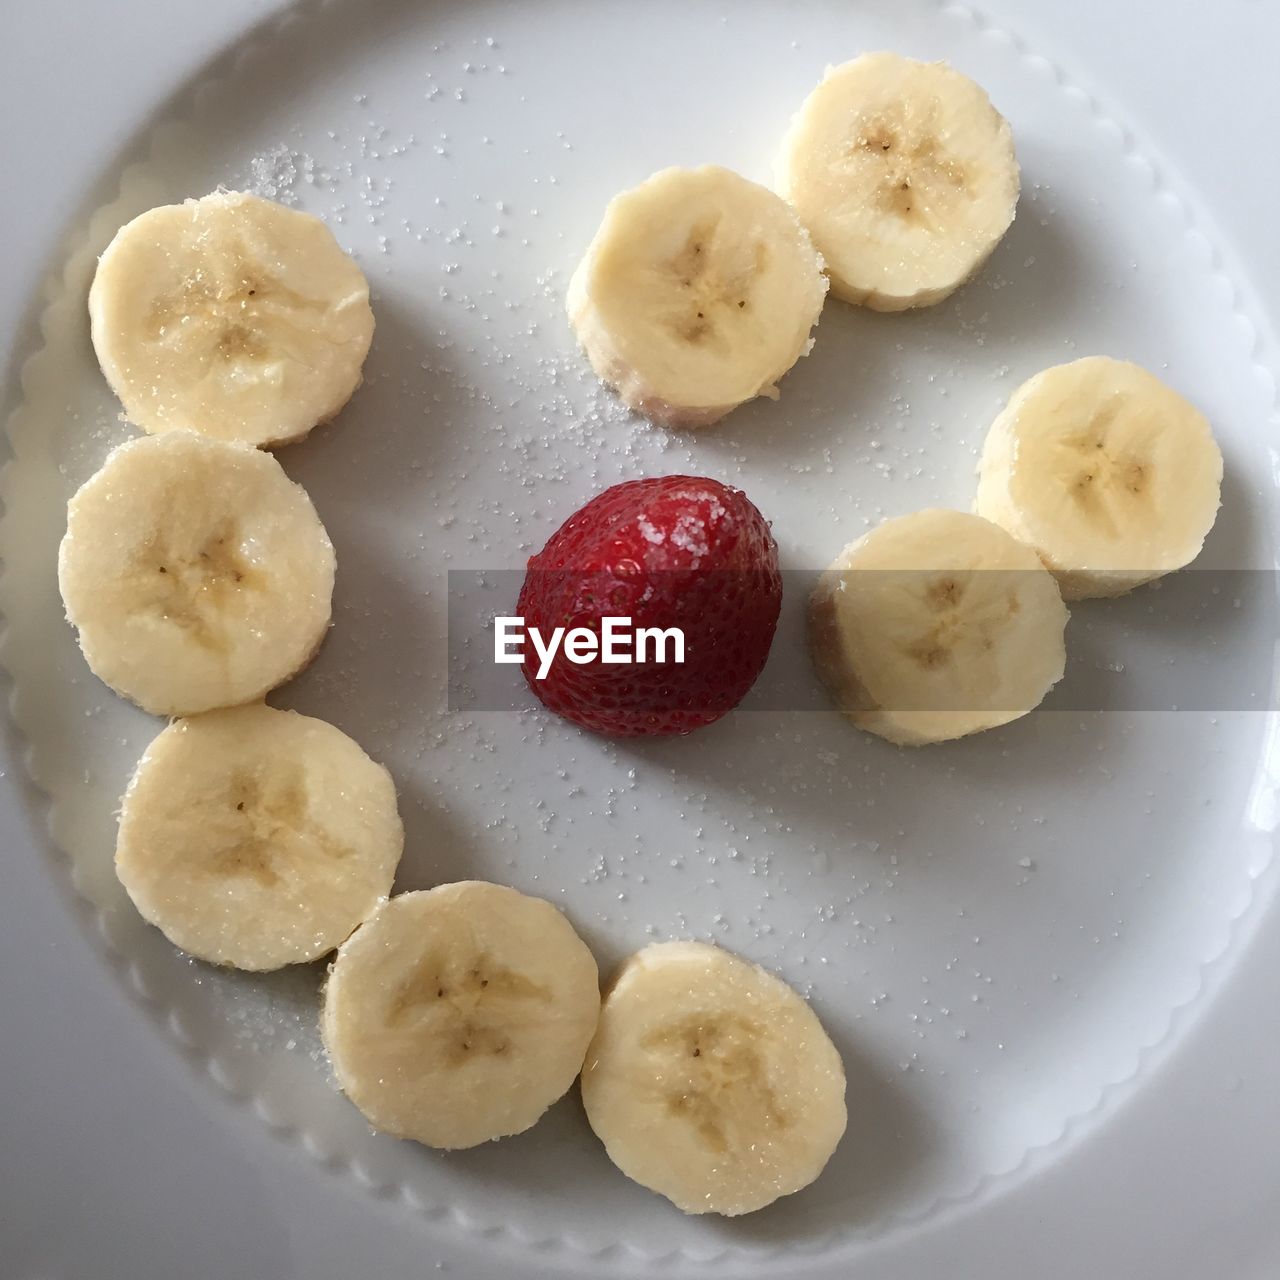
(257,838)
(232,316)
(711,1082)
(460,1014)
(936,625)
(1111,476)
(698,293)
(197,573)
(904,174)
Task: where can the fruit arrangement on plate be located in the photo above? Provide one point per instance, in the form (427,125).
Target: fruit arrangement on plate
(199,577)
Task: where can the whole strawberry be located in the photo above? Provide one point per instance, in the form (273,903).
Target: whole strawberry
(673,552)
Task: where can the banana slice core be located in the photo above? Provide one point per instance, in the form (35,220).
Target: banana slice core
(698,293)
(197,574)
(711,1082)
(460,1014)
(904,174)
(937,625)
(232,316)
(1109,474)
(257,838)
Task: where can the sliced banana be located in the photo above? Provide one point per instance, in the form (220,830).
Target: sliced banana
(698,293)
(232,316)
(196,572)
(1110,475)
(936,625)
(904,174)
(460,1014)
(257,838)
(711,1082)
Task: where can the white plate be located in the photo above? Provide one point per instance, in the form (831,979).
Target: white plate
(1005,935)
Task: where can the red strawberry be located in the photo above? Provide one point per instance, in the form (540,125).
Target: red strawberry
(676,551)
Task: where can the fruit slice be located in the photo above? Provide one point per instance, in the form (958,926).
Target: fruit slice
(232,316)
(671,553)
(197,573)
(711,1082)
(460,1014)
(904,174)
(257,838)
(697,294)
(1111,476)
(936,625)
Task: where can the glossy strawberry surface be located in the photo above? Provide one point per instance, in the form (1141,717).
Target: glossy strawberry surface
(681,552)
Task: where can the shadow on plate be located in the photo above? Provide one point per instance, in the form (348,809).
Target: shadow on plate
(886,1143)
(859,351)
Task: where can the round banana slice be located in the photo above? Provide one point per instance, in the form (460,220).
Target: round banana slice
(460,1014)
(904,174)
(196,572)
(1110,475)
(698,293)
(936,625)
(231,316)
(257,838)
(711,1082)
